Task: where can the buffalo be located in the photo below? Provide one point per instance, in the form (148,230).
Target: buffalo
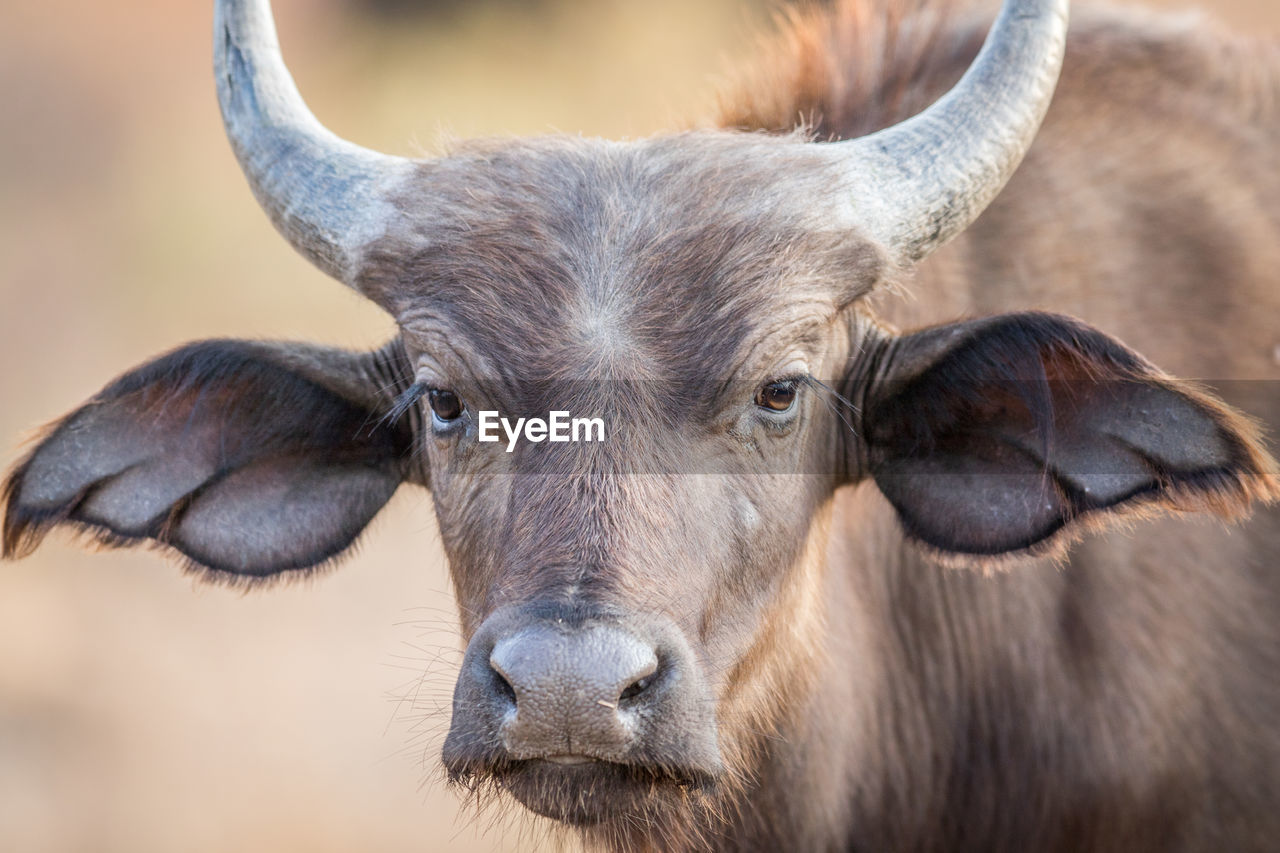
(847,570)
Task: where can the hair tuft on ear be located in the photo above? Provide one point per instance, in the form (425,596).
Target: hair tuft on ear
(249,460)
(1018,433)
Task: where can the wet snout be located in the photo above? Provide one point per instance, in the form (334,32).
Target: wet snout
(573,692)
(557,688)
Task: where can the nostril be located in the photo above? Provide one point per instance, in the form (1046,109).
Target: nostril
(504,688)
(635,688)
(646,675)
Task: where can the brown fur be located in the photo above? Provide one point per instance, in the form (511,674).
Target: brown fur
(1158,166)
(1115,695)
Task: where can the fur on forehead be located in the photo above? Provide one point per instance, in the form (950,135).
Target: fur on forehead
(675,249)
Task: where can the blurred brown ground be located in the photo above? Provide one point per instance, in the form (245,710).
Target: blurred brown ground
(140,711)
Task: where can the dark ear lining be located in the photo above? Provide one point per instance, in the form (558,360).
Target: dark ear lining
(247,460)
(1018,433)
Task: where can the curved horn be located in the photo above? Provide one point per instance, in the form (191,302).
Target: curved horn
(327,196)
(919,183)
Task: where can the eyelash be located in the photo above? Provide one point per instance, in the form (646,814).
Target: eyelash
(405,401)
(800,380)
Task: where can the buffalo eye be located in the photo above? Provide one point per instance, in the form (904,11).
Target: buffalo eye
(777,396)
(445,405)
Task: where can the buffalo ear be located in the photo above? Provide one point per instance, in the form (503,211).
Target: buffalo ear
(249,459)
(1001,435)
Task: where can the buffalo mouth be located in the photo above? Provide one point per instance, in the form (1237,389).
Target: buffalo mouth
(583,791)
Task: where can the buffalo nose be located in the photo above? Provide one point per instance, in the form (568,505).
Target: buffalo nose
(573,692)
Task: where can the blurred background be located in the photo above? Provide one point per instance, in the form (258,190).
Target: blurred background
(139,710)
